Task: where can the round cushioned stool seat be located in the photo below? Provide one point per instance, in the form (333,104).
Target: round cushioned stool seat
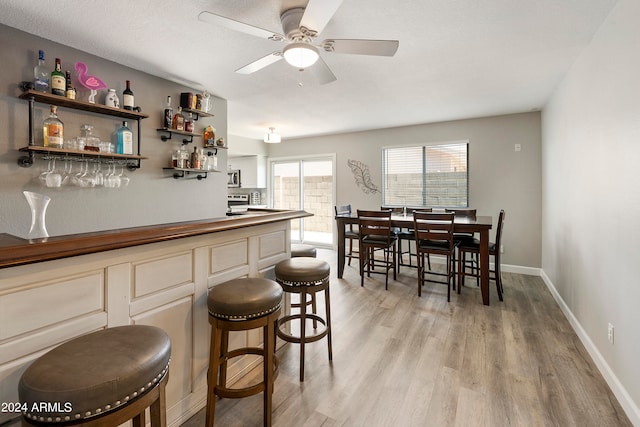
(302,271)
(247,298)
(96,373)
(302,250)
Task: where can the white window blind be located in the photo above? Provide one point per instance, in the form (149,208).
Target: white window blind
(426,176)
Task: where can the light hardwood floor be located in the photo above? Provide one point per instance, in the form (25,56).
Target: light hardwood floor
(401,360)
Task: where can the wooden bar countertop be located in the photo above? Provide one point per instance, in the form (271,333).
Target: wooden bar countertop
(18,251)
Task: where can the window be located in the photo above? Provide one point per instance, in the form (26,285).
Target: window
(426,176)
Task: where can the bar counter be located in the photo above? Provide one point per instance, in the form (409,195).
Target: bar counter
(17,251)
(59,288)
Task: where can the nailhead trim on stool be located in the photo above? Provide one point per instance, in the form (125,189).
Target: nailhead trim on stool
(96,374)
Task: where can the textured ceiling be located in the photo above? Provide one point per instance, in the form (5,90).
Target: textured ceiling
(457,58)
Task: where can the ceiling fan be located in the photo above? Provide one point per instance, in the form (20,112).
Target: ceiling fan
(301,26)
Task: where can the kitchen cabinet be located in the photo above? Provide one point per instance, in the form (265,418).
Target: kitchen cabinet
(253,170)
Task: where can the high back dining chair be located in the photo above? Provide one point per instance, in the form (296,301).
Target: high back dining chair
(472,262)
(405,235)
(434,235)
(473,247)
(375,235)
(350,234)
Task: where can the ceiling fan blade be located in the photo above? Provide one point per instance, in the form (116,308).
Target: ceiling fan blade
(321,72)
(361,47)
(260,63)
(318,13)
(232,24)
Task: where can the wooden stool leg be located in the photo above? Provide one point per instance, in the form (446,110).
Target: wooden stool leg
(314,309)
(212,374)
(267,369)
(328,314)
(224,348)
(303,321)
(140,420)
(158,409)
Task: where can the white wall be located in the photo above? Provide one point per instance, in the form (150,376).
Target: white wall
(152,197)
(499,177)
(591,199)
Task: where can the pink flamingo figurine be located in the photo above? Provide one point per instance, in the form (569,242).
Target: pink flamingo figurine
(92,83)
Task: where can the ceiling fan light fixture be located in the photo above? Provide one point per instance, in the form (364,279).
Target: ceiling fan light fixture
(271,137)
(300,55)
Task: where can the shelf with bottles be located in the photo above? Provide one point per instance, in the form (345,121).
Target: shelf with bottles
(200,162)
(60,101)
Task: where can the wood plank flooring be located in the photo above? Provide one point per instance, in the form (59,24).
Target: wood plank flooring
(401,360)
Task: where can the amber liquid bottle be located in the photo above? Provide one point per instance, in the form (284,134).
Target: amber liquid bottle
(178,120)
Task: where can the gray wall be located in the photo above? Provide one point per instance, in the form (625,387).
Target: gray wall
(499,177)
(591,202)
(152,197)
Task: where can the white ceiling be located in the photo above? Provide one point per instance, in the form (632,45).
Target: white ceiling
(457,58)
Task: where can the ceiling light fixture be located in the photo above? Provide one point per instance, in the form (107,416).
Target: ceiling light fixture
(300,54)
(272,138)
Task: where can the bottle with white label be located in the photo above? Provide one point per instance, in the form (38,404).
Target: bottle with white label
(122,138)
(53,130)
(127,97)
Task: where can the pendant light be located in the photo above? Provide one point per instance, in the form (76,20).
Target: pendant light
(272,138)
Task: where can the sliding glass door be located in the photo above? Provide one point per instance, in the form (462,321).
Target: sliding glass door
(306,184)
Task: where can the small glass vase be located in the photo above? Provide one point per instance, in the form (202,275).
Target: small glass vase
(38,204)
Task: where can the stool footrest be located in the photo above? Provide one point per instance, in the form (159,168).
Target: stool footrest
(307,338)
(236,393)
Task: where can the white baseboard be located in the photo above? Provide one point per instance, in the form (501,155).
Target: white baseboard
(627,403)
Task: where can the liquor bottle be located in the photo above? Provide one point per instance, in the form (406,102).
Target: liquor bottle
(70,91)
(167,120)
(178,120)
(122,138)
(127,97)
(41,74)
(53,130)
(195,159)
(58,81)
(188,124)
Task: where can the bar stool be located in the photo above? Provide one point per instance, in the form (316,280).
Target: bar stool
(101,379)
(241,305)
(303,276)
(300,250)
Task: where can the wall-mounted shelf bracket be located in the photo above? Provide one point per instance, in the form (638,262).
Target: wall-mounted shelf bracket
(184,172)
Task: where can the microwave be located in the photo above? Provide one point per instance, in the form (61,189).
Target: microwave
(233,178)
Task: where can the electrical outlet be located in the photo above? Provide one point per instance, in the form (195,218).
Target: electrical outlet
(501,249)
(610,333)
(518,147)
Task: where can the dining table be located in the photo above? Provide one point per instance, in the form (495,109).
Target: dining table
(462,224)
